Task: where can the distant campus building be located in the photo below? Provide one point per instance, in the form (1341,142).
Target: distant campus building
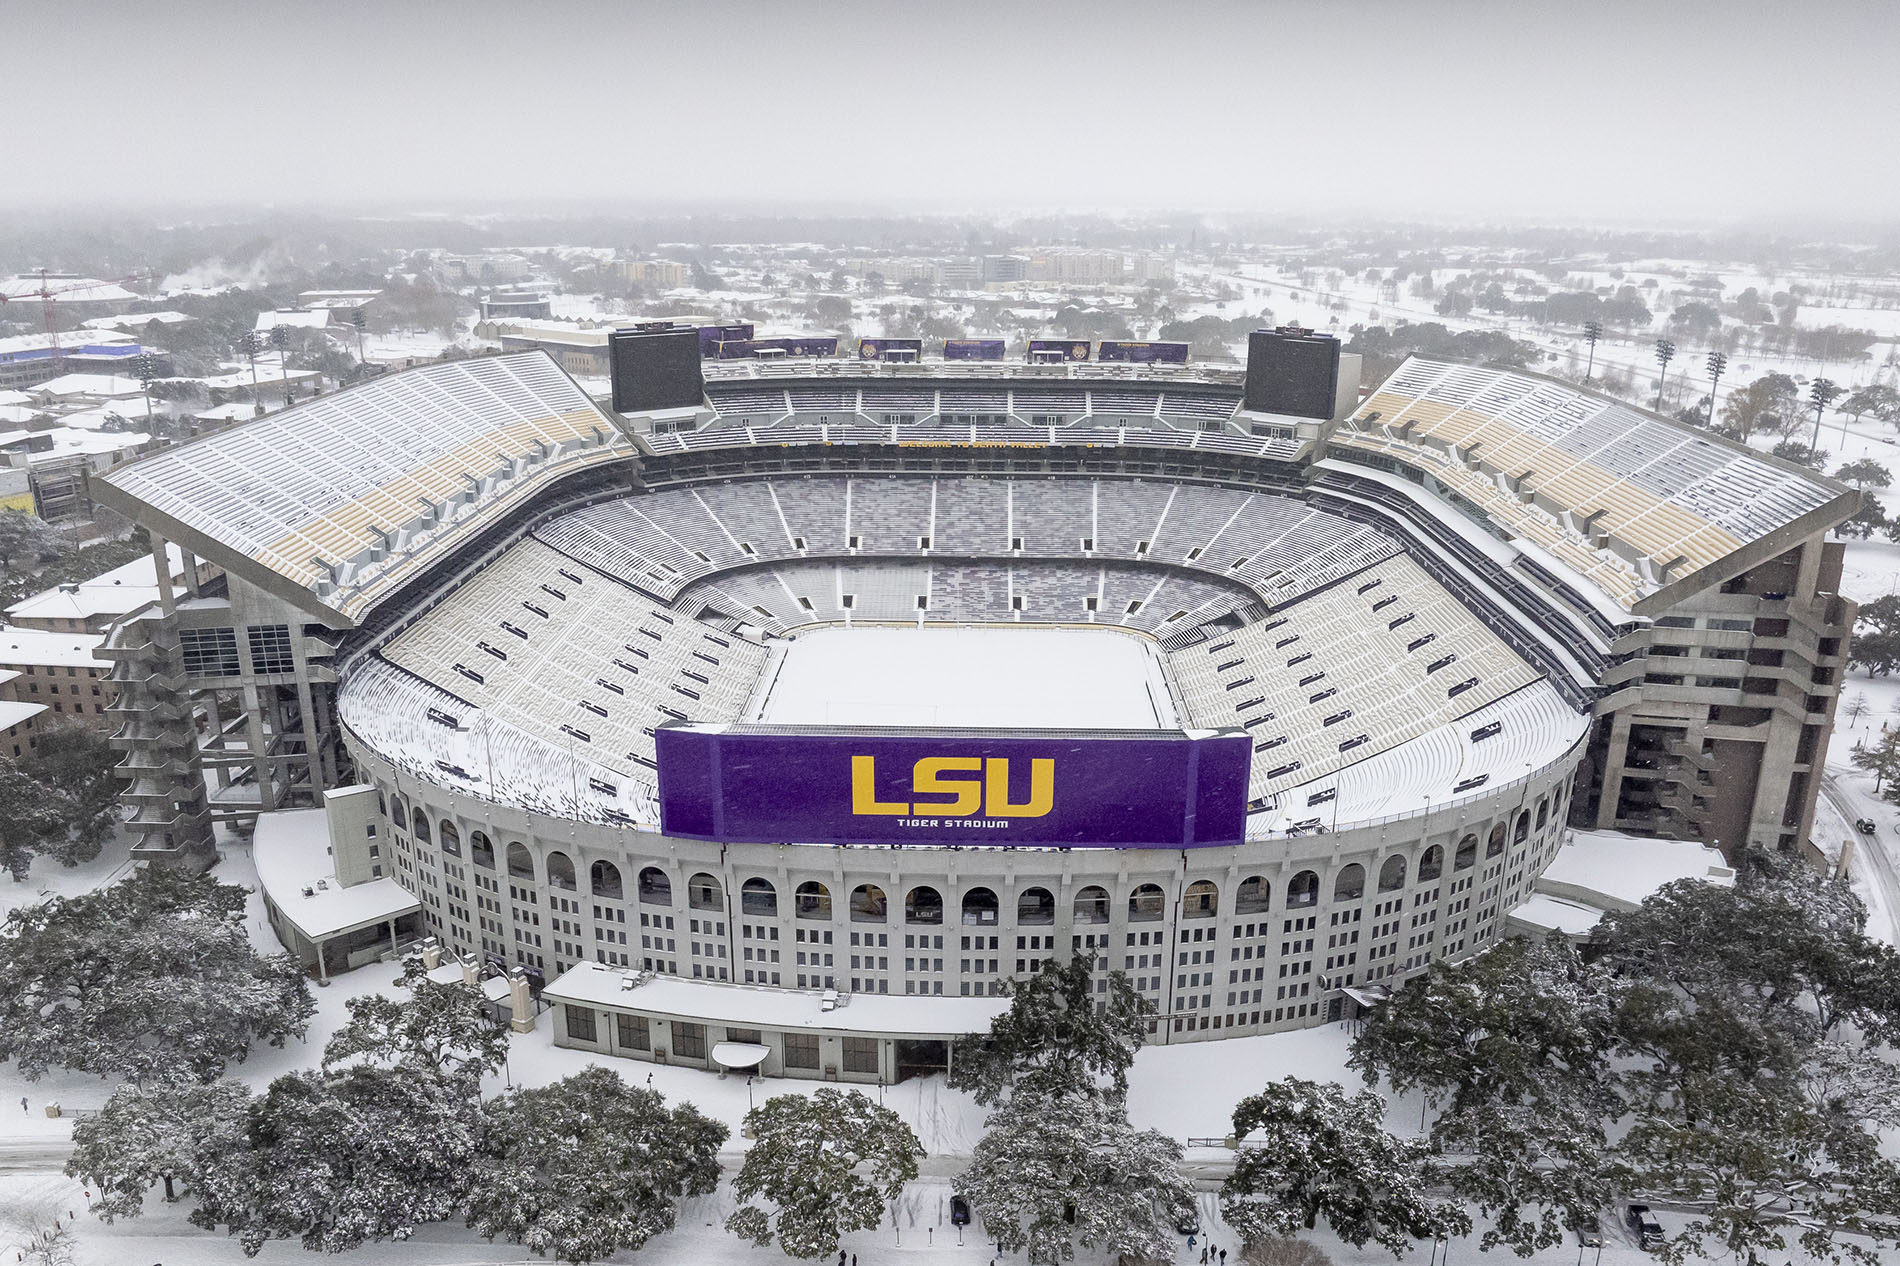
(1380,654)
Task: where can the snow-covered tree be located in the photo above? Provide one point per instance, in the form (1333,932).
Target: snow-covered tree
(1309,1151)
(1514,1042)
(589,1165)
(34,819)
(826,1163)
(79,762)
(439,1027)
(151,1134)
(1059,1035)
(340,1160)
(1055,1175)
(1756,1030)
(151,975)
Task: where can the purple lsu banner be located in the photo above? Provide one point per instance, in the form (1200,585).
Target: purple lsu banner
(974,349)
(711,336)
(766,785)
(881,348)
(1058,349)
(1144,353)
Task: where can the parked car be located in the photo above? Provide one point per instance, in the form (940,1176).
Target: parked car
(1649,1232)
(1189,1223)
(1590,1232)
(959,1211)
(1865,826)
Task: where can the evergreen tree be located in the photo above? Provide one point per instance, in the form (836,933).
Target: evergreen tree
(1052,1175)
(828,1163)
(1311,1151)
(151,975)
(165,1132)
(588,1165)
(1059,1036)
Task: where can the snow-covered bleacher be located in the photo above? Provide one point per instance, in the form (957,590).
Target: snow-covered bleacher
(1629,500)
(573,658)
(782,598)
(1348,671)
(1277,545)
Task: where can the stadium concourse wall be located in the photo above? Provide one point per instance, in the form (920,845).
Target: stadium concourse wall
(1225,942)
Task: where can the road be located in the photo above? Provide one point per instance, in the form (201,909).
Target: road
(1872,851)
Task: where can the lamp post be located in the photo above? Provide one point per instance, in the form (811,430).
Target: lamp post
(1592,331)
(1665,352)
(1717,363)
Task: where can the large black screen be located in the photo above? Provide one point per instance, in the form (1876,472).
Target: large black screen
(656,370)
(1295,374)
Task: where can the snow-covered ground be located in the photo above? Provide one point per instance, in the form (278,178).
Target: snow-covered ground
(1031,677)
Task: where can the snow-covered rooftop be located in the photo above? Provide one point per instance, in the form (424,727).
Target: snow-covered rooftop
(1615,871)
(748,1006)
(12,713)
(291,850)
(45,648)
(1542,913)
(123,589)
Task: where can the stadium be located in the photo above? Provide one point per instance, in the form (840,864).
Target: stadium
(778,716)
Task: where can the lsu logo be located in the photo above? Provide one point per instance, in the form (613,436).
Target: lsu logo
(985,791)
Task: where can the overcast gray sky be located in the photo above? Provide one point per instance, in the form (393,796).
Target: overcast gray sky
(1593,109)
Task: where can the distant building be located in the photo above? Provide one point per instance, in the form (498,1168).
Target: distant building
(60,673)
(504,304)
(1005,268)
(91,606)
(499,266)
(27,360)
(20,725)
(959,274)
(660,274)
(74,297)
(1099,267)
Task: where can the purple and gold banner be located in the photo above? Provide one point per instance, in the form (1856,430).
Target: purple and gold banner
(711,336)
(1144,353)
(907,349)
(1085,790)
(1058,349)
(974,349)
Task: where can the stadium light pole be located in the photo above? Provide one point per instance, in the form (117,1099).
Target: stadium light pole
(1665,352)
(1592,331)
(1717,363)
(280,339)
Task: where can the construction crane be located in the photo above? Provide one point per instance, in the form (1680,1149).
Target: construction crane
(46,293)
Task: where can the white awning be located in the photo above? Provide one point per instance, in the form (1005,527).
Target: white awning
(739,1054)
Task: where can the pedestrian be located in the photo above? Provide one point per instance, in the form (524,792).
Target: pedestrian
(649,1079)
(23,1106)
(1223,1257)
(840,1257)
(1203,1257)
(854,1259)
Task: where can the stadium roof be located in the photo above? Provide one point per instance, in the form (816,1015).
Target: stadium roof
(1634,502)
(331,502)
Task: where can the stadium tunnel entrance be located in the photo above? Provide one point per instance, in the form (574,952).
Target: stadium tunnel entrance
(918,1057)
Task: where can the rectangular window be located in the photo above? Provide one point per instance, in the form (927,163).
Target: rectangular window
(689,1040)
(633,1033)
(580,1024)
(270,649)
(801,1050)
(209,652)
(860,1054)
